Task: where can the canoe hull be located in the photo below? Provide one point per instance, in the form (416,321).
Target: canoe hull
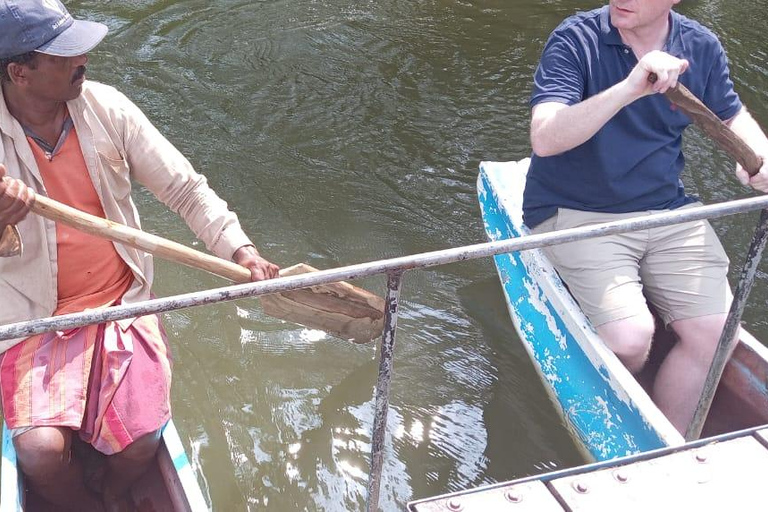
(608,412)
(603,406)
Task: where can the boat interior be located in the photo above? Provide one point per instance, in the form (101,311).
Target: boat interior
(149,494)
(741,400)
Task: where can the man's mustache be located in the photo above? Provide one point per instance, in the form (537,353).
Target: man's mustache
(79,74)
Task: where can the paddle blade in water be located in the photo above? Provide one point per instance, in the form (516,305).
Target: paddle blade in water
(341,309)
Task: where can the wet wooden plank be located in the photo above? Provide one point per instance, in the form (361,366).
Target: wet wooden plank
(523,497)
(724,476)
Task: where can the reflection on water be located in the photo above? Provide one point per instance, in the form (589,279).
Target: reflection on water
(345,132)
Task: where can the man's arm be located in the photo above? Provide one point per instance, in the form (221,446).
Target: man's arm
(745,126)
(158,165)
(556,127)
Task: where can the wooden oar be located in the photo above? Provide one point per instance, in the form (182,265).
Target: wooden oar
(729,141)
(341,309)
(713,126)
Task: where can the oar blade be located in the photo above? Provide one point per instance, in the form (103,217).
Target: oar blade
(340,309)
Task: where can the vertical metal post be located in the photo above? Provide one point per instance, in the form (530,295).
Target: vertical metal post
(731,328)
(386,363)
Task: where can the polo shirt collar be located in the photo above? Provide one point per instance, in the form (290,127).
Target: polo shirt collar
(610,33)
(675,44)
(611,36)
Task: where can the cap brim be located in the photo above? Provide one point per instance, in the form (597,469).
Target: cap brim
(80,38)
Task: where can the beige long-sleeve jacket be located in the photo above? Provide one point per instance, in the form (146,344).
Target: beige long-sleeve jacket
(119,145)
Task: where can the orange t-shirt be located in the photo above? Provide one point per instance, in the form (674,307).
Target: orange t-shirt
(91,273)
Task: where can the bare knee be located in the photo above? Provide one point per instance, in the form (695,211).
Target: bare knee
(43,451)
(630,339)
(128,465)
(699,336)
(141,450)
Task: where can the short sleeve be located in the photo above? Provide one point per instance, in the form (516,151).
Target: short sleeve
(559,76)
(719,94)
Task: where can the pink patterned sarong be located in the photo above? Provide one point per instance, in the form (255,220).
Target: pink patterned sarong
(110,385)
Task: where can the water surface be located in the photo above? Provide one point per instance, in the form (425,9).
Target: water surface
(344,132)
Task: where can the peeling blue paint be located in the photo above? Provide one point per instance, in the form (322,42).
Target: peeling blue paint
(607,425)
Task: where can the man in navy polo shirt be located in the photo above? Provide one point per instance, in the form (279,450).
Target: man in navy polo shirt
(607,145)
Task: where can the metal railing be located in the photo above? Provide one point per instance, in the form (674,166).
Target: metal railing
(395,268)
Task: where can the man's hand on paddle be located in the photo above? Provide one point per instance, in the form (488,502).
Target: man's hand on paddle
(760,180)
(745,127)
(666,68)
(248,257)
(15,200)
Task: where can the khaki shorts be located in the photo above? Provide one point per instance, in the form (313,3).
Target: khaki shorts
(681,269)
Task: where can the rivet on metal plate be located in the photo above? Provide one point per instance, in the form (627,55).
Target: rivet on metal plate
(454,504)
(620,476)
(580,487)
(513,496)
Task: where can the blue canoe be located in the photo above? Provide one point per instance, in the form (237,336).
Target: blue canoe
(607,410)
(169,485)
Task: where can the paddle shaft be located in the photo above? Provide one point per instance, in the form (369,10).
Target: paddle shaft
(720,132)
(153,244)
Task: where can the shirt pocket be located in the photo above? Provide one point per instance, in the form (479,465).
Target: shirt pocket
(116,174)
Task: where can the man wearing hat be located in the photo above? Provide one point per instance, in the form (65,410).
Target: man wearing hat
(82,143)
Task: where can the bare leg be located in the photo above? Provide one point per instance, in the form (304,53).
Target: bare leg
(681,376)
(126,467)
(45,457)
(630,339)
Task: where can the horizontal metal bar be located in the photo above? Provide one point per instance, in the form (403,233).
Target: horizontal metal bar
(400,264)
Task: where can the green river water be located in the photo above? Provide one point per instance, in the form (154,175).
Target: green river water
(343,132)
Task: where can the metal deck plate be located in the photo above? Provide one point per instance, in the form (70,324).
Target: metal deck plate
(724,476)
(524,497)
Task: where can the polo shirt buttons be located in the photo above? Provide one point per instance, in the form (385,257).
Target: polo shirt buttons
(626,50)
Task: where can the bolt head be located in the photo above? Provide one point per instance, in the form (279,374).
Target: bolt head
(454,504)
(580,487)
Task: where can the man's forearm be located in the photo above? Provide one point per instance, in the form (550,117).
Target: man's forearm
(745,126)
(556,128)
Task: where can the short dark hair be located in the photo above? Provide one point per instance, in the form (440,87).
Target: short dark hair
(24,58)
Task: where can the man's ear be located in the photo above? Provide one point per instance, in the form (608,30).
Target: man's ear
(18,73)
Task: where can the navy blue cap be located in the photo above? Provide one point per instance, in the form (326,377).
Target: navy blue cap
(47,27)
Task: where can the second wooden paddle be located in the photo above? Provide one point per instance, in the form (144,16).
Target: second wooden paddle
(341,309)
